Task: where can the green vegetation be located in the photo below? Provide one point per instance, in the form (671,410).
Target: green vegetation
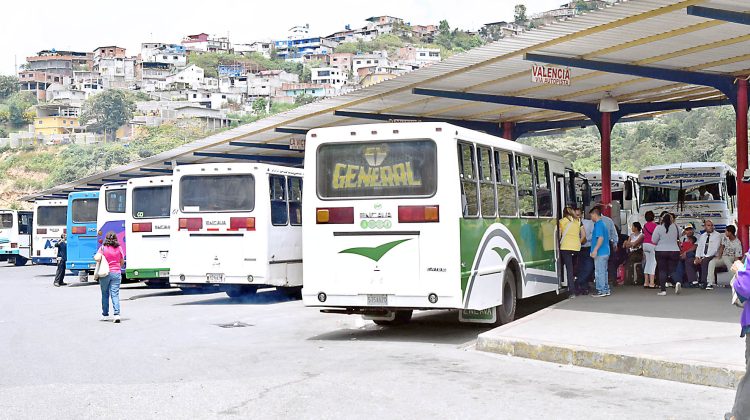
(209,62)
(107,111)
(705,135)
(8,86)
(17,110)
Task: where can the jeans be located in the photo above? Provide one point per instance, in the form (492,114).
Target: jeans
(600,268)
(741,408)
(110,286)
(691,271)
(585,270)
(60,274)
(666,262)
(567,260)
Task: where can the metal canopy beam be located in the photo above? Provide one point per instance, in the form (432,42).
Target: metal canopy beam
(263,146)
(486,126)
(722,83)
(288,130)
(719,14)
(176,163)
(257,158)
(161,171)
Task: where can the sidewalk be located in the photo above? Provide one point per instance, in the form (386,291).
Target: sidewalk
(692,338)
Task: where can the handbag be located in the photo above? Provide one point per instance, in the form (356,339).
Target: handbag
(102,267)
(737,300)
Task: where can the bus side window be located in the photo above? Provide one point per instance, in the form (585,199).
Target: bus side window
(468,174)
(543,188)
(295,200)
(279,210)
(487,183)
(506,186)
(526,197)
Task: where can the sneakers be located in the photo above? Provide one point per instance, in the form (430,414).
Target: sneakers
(56,284)
(669,284)
(662,293)
(600,294)
(104,318)
(709,287)
(677,288)
(117,319)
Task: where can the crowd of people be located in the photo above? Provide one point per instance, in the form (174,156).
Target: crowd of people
(592,249)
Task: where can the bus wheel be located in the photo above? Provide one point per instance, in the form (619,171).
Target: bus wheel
(401,318)
(292,292)
(240,291)
(507,311)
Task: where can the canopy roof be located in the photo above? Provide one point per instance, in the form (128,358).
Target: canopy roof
(681,61)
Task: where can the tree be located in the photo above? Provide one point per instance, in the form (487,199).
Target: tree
(519,14)
(19,108)
(259,106)
(107,111)
(8,86)
(304,99)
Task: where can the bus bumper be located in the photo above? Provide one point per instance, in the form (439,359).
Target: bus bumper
(76,266)
(11,251)
(44,261)
(147,273)
(359,303)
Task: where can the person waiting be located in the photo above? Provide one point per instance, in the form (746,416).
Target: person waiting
(708,248)
(634,246)
(686,271)
(729,251)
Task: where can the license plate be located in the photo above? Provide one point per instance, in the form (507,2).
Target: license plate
(377,300)
(215,277)
(163,273)
(480,316)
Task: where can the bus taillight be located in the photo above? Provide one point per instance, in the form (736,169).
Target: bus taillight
(41,231)
(14,245)
(78,230)
(237,223)
(335,215)
(191,223)
(418,214)
(142,227)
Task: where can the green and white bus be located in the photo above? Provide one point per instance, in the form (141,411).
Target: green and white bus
(416,216)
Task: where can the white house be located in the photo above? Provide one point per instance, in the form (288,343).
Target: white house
(191,76)
(369,60)
(261,47)
(159,52)
(265,83)
(213,100)
(329,76)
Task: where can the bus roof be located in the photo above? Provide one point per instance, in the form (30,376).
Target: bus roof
(243,166)
(343,132)
(161,179)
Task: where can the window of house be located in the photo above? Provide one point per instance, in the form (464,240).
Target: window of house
(488,201)
(526,197)
(468,176)
(506,187)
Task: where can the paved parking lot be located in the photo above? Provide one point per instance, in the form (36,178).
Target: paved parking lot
(171,358)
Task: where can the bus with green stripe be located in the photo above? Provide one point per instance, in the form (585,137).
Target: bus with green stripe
(418,216)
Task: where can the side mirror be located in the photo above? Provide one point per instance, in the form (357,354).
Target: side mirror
(732,185)
(629,190)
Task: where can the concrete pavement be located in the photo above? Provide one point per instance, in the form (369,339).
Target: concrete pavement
(170,358)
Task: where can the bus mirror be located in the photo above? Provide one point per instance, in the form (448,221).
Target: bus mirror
(732,184)
(629,190)
(586,194)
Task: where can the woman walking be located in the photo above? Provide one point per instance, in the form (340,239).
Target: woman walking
(570,244)
(666,238)
(110,284)
(649,251)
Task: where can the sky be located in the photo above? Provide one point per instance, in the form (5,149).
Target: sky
(83,25)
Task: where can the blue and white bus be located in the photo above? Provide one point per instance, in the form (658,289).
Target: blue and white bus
(50,220)
(81,225)
(15,236)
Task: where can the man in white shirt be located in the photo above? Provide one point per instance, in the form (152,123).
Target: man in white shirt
(708,248)
(705,195)
(729,252)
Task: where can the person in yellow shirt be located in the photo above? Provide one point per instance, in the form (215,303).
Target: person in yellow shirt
(570,244)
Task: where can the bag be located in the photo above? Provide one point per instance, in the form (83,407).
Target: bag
(102,267)
(736,299)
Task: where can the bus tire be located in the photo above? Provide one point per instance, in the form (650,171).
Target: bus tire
(157,284)
(401,318)
(506,312)
(20,261)
(240,291)
(292,292)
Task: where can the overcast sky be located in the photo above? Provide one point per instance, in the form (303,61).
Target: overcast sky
(83,25)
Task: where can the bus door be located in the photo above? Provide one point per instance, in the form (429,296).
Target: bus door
(561,198)
(25,226)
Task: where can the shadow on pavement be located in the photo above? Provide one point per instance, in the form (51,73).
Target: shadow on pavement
(157,294)
(260,298)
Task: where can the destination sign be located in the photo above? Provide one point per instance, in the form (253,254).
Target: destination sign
(550,75)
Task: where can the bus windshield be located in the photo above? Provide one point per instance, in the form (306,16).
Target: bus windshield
(377,169)
(705,192)
(217,193)
(115,201)
(151,202)
(51,215)
(84,210)
(6,220)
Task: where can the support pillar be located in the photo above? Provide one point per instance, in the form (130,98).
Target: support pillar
(606,133)
(508,128)
(743,190)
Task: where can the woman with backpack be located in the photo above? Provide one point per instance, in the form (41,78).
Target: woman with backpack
(649,251)
(666,238)
(111,252)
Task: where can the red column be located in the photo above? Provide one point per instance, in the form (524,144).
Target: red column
(508,130)
(606,132)
(743,195)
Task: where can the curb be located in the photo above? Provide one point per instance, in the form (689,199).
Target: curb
(691,373)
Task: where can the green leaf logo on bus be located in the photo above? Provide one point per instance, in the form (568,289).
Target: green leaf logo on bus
(375,253)
(502,252)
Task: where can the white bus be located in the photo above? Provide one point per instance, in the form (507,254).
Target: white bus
(111,213)
(694,191)
(50,219)
(414,216)
(147,228)
(625,190)
(236,227)
(15,236)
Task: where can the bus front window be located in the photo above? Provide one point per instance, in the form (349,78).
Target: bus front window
(151,202)
(84,210)
(217,193)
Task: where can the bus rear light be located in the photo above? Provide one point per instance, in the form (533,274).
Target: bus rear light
(237,223)
(335,215)
(14,244)
(142,227)
(78,230)
(191,223)
(41,231)
(418,214)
